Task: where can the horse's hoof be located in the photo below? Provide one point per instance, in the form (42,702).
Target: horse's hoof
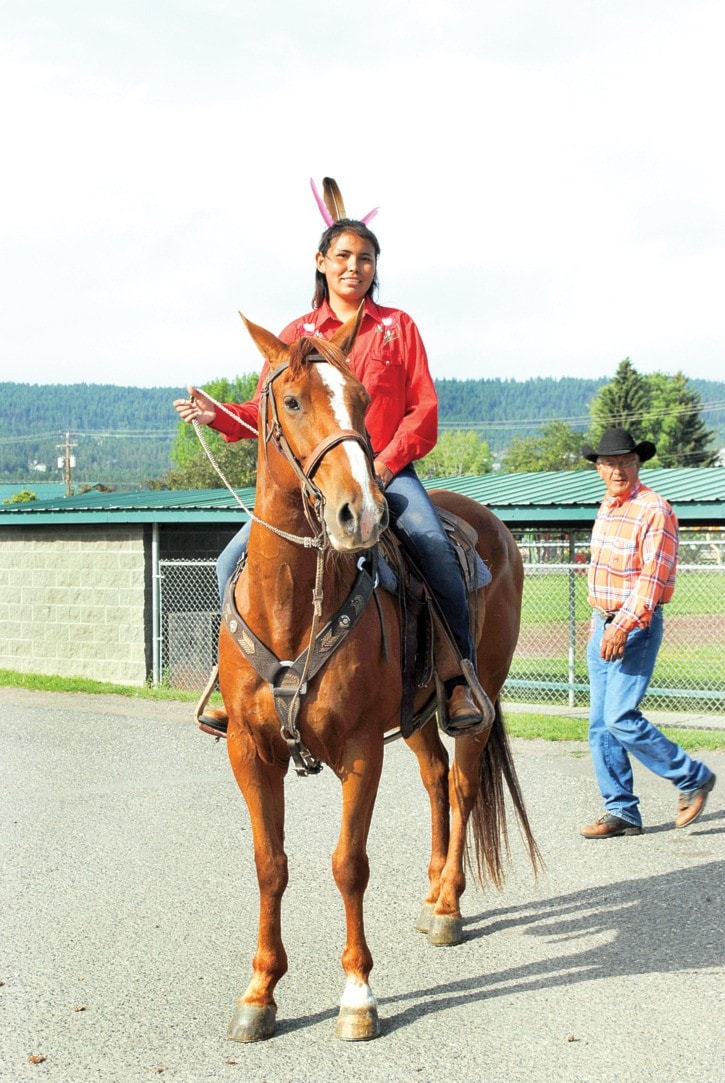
(252,1023)
(357,1024)
(422,925)
(445,931)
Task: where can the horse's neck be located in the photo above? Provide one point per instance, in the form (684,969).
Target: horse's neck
(275,593)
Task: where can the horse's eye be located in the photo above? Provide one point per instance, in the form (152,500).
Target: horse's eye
(291,403)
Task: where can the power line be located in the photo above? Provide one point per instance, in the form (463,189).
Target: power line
(581,419)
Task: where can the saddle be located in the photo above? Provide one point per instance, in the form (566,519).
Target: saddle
(421,621)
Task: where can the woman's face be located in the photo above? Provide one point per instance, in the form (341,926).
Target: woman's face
(349,267)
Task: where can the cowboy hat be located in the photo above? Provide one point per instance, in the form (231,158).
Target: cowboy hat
(617,441)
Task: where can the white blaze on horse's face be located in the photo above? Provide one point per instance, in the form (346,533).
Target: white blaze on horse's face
(360,528)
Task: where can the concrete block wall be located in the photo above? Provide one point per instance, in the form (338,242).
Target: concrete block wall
(74,602)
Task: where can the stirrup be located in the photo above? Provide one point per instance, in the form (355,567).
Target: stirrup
(199,709)
(488,710)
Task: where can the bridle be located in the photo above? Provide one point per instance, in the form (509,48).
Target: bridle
(304,468)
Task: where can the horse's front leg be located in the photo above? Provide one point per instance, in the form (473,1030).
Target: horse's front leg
(255,1016)
(360,776)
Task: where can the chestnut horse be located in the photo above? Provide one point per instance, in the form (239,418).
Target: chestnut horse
(318,508)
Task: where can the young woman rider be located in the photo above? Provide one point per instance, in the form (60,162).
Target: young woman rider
(402,420)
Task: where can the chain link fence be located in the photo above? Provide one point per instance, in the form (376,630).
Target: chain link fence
(550,661)
(189,621)
(549,666)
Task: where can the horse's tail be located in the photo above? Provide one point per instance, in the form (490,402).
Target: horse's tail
(487,825)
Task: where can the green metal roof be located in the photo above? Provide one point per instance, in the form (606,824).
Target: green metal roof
(556,498)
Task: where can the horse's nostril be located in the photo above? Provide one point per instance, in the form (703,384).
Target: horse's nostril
(345,515)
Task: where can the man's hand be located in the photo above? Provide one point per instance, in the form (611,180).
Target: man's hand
(614,641)
(198,407)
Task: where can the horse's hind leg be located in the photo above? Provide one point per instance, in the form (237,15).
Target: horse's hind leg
(432,759)
(255,1015)
(360,774)
(446,924)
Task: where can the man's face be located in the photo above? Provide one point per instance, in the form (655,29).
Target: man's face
(619,472)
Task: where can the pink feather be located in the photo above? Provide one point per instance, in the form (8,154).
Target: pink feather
(369,216)
(327,217)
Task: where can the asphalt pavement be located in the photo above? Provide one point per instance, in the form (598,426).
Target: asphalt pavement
(128,920)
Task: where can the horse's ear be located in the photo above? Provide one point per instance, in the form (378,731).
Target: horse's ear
(268,344)
(344,337)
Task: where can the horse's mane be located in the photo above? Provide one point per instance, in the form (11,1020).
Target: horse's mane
(301,350)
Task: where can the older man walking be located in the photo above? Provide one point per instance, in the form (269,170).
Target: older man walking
(631,577)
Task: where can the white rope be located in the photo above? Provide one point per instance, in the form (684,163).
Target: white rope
(317,542)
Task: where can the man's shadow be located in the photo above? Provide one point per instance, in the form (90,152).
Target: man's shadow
(654,924)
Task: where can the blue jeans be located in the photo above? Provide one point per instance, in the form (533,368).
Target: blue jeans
(415,522)
(230,556)
(618,729)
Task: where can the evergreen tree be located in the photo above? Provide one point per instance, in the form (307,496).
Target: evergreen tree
(625,403)
(678,429)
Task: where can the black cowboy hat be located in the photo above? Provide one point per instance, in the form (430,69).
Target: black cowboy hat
(616,441)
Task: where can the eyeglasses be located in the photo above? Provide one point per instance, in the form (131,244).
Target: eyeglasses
(624,463)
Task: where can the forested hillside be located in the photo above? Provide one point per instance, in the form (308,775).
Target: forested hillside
(121,437)
(501,409)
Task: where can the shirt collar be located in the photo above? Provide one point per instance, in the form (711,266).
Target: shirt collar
(611,502)
(324,316)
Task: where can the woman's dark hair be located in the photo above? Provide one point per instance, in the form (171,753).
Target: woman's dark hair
(345,225)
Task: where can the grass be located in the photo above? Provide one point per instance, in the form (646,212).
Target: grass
(529,726)
(562,728)
(697,593)
(39,682)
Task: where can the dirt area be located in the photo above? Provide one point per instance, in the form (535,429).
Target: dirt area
(552,640)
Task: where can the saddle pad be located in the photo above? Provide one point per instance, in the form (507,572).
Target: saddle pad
(388,580)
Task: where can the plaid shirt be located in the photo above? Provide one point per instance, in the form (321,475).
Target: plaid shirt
(634,556)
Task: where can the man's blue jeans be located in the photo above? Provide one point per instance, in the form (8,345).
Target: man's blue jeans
(415,522)
(618,729)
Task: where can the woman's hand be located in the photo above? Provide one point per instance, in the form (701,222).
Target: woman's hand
(198,407)
(382,472)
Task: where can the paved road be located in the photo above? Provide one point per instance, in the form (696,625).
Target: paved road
(129,920)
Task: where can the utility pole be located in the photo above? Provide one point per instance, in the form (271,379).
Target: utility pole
(66,461)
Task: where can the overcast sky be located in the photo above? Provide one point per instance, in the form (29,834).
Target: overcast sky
(550,177)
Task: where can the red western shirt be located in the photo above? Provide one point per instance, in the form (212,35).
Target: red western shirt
(390,361)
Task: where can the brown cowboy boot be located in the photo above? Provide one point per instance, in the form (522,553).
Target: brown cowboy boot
(213,721)
(463,713)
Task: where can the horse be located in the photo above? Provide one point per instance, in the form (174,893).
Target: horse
(306,593)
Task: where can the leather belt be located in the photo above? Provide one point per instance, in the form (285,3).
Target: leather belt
(608,615)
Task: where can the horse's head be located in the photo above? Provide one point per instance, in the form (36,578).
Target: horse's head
(314,413)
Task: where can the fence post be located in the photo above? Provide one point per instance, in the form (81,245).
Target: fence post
(572,620)
(155,605)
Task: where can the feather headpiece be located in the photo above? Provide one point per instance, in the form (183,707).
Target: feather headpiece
(331,203)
